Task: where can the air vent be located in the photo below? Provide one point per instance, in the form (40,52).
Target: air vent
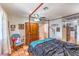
(45,8)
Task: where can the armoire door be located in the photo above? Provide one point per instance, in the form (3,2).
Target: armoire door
(31,32)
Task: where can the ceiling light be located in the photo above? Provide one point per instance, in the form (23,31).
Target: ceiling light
(36,19)
(36,15)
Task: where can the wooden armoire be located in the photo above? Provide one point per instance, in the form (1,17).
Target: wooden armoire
(31,32)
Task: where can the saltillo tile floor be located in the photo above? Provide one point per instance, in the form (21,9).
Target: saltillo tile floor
(21,51)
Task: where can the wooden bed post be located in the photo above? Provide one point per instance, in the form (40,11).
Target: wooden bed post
(48,29)
(30,17)
(29,25)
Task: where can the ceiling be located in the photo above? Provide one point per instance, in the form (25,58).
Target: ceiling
(54,10)
(19,9)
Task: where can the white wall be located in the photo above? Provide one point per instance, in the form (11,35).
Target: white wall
(1,30)
(54,33)
(43,31)
(43,28)
(5,46)
(15,21)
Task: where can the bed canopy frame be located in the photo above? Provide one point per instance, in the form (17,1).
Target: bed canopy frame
(64,18)
(68,17)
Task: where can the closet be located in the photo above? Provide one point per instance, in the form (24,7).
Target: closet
(31,32)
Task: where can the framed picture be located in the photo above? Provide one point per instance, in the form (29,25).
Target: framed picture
(21,26)
(12,27)
(58,29)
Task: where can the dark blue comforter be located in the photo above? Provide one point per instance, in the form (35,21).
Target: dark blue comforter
(54,47)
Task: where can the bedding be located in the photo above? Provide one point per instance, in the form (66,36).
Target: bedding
(33,44)
(53,47)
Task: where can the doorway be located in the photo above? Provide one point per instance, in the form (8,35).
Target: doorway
(70,32)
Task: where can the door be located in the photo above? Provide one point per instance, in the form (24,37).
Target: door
(73,34)
(31,32)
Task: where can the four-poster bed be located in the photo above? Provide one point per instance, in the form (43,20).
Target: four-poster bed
(52,46)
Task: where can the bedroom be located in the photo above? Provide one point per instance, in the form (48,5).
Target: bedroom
(27,24)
